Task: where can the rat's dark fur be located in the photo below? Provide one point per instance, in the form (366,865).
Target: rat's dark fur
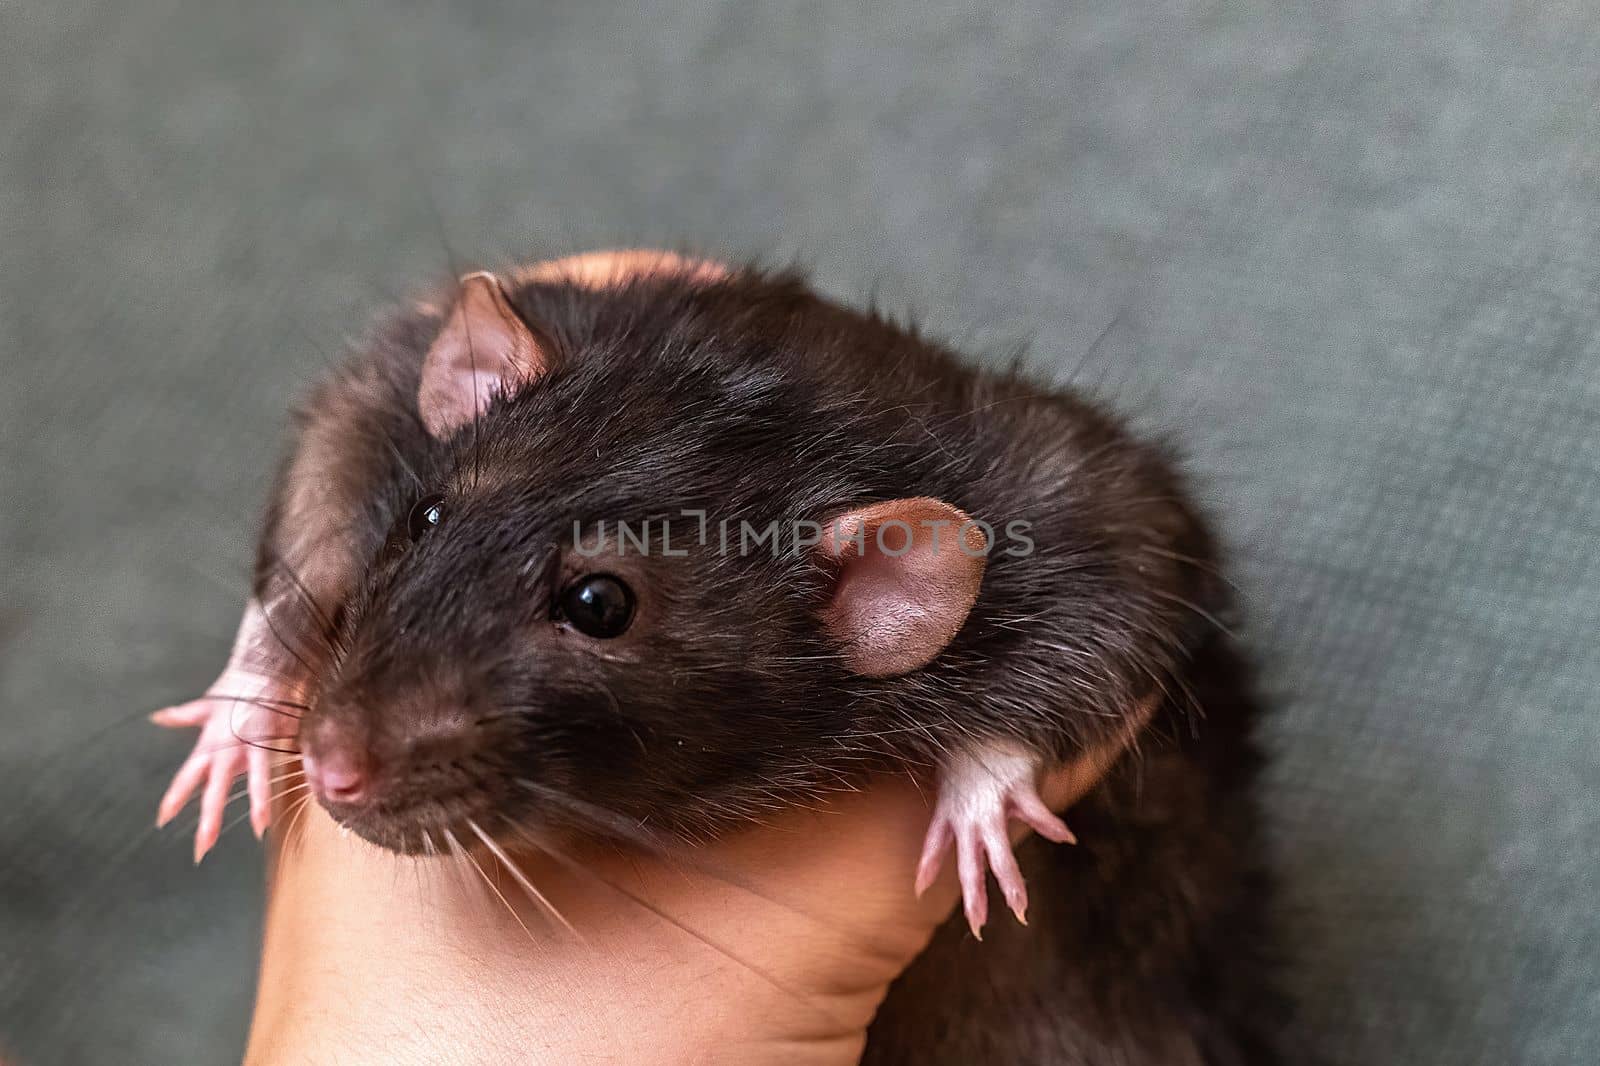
(753,399)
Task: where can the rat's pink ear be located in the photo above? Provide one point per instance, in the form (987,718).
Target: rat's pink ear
(484,348)
(907,574)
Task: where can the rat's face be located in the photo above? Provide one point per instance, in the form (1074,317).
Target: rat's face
(561,633)
(503,671)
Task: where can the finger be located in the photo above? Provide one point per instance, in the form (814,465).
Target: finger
(1006,872)
(1030,809)
(223,768)
(260,783)
(185,716)
(184,782)
(974,894)
(934,845)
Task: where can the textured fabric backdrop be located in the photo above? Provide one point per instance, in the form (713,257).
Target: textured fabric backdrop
(1347,252)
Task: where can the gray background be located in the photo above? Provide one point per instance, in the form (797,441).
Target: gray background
(1348,249)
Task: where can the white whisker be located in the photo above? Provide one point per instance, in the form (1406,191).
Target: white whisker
(456,845)
(522,880)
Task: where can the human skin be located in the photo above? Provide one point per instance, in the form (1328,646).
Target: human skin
(772,945)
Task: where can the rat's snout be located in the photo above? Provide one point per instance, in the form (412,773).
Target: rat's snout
(387,776)
(339,764)
(340,776)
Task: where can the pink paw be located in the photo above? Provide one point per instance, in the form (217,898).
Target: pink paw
(242,718)
(978,796)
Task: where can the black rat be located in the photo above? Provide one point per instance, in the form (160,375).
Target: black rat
(638,542)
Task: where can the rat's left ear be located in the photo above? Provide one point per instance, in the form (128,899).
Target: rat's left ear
(907,573)
(484,348)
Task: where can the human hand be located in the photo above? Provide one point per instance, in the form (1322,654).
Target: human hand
(774,944)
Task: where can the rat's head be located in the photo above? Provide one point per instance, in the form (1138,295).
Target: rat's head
(551,639)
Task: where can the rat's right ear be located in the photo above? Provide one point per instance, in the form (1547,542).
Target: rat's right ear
(483,349)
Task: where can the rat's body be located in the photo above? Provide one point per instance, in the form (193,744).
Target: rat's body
(437,533)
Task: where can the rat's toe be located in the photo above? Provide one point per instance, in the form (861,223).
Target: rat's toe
(1028,808)
(184,782)
(184,716)
(974,874)
(259,777)
(1007,874)
(934,846)
(225,766)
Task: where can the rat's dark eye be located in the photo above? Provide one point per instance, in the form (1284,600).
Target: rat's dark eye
(427,513)
(598,605)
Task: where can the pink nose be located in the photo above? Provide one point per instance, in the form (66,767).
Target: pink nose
(339,777)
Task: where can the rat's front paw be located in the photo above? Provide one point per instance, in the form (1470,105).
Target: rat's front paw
(243,718)
(979,793)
